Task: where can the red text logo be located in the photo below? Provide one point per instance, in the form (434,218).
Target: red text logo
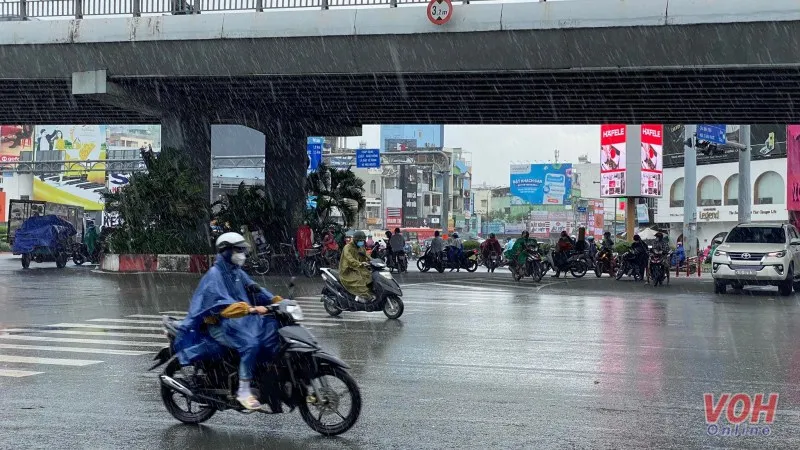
(741,412)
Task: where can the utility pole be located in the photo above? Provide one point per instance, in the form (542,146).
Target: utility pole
(556,156)
(745,195)
(690,191)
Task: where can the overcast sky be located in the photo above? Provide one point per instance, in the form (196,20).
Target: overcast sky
(494,147)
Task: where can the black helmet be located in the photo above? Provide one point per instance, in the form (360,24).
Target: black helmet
(359,236)
(455,235)
(636,237)
(491,235)
(659,235)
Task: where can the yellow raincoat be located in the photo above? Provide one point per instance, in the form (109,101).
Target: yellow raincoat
(352,274)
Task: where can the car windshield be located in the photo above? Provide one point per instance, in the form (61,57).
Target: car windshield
(761,235)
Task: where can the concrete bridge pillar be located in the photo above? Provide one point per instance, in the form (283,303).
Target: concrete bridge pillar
(190,133)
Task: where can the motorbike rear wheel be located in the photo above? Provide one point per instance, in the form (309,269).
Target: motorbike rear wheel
(331,308)
(598,269)
(78,259)
(261,266)
(579,269)
(620,272)
(169,397)
(310,267)
(331,401)
(473,266)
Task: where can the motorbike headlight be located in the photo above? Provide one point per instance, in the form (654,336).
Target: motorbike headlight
(386,275)
(295,312)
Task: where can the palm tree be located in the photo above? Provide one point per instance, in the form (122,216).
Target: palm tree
(336,190)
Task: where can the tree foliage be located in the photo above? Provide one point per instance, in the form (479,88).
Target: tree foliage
(164,210)
(335,191)
(250,206)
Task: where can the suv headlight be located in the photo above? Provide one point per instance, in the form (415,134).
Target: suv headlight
(779,254)
(720,253)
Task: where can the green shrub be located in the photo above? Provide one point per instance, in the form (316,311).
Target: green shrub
(622,247)
(4,247)
(471,245)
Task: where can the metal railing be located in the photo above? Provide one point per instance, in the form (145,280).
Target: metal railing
(33,9)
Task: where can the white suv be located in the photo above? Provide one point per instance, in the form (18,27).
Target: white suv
(760,254)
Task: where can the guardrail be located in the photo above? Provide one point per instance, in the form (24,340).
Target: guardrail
(33,9)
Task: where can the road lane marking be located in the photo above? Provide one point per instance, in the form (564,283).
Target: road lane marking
(434,302)
(87,333)
(19,337)
(147,316)
(100,351)
(179,313)
(17,373)
(49,361)
(144,322)
(100,326)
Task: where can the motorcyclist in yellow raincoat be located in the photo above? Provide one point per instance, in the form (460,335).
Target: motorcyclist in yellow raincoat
(354,272)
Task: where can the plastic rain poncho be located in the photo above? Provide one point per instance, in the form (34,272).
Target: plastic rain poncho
(223,285)
(352,274)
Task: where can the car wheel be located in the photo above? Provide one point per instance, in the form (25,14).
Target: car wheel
(720,287)
(785,287)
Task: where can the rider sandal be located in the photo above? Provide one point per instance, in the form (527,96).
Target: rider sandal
(250,402)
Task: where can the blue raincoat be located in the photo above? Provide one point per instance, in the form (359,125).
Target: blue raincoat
(224,285)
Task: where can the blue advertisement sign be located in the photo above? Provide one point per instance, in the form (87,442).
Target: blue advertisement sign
(314,148)
(542,184)
(711,133)
(368,158)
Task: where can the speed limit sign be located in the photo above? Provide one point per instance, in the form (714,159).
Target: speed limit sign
(439,11)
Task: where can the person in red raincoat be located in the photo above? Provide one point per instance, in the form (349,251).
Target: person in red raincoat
(305,239)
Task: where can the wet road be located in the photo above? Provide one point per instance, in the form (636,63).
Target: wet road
(477,361)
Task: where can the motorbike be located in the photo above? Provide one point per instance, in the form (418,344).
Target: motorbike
(316,258)
(80,255)
(467,261)
(397,261)
(532,268)
(259,262)
(492,262)
(430,260)
(388,295)
(379,250)
(605,263)
(576,264)
(657,272)
(628,265)
(298,378)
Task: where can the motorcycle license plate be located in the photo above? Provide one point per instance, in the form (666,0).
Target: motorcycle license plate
(745,272)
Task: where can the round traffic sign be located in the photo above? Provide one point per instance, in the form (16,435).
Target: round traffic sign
(439,11)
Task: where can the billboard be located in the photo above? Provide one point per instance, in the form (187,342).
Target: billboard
(793,167)
(652,177)
(409,180)
(398,137)
(762,137)
(542,184)
(14,139)
(613,160)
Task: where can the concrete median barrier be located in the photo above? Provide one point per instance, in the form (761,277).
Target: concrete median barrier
(156,263)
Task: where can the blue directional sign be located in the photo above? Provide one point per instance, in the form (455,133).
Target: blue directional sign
(581,209)
(314,148)
(711,133)
(368,158)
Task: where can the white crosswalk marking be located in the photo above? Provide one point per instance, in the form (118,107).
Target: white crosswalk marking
(51,361)
(105,327)
(87,333)
(146,316)
(17,373)
(145,322)
(99,351)
(15,337)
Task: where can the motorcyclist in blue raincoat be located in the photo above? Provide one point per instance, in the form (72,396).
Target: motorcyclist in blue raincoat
(229,309)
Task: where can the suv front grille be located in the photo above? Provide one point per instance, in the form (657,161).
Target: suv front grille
(753,256)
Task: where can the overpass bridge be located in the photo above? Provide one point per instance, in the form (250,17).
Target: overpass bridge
(293,73)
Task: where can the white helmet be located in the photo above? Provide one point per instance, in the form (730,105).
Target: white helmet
(231,240)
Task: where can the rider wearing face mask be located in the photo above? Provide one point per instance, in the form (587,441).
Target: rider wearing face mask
(225,304)
(354,274)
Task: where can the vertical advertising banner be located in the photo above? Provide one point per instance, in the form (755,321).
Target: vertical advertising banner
(15,139)
(652,161)
(409,174)
(612,161)
(793,167)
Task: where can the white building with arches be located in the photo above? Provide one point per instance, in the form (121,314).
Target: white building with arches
(717,197)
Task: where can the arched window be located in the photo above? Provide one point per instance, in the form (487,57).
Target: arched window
(373,187)
(769,189)
(676,194)
(732,190)
(709,192)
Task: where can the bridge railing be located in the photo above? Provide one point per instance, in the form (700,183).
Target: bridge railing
(33,9)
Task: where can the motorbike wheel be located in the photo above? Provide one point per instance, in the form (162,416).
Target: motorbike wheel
(78,259)
(261,266)
(422,265)
(331,308)
(473,266)
(598,269)
(175,405)
(440,268)
(393,308)
(314,420)
(26,261)
(310,267)
(620,273)
(516,274)
(61,260)
(538,272)
(579,269)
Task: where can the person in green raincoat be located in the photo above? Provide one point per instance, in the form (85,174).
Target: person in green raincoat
(517,251)
(354,274)
(90,238)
